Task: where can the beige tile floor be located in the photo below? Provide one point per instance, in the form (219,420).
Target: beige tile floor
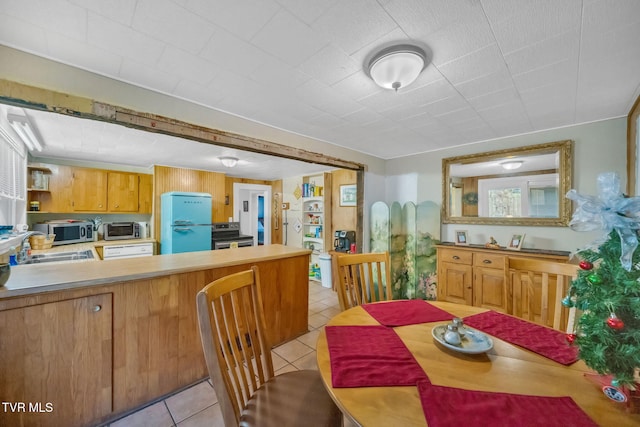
(198,405)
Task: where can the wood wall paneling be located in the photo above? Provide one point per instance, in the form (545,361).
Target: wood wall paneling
(167,179)
(277,214)
(342,217)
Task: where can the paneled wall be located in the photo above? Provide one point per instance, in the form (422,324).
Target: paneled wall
(342,217)
(167,179)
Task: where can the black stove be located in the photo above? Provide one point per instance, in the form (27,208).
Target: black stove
(226,234)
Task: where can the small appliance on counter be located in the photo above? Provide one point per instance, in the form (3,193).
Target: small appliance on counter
(343,240)
(185,222)
(67,231)
(121,230)
(227,234)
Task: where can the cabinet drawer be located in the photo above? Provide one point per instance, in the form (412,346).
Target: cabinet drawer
(455,256)
(488,260)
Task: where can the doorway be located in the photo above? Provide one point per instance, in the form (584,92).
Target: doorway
(252,207)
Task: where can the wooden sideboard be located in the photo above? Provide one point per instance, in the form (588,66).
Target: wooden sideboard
(477,276)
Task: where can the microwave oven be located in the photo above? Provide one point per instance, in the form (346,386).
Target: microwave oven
(67,231)
(121,230)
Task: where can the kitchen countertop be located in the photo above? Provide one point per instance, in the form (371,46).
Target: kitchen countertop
(48,277)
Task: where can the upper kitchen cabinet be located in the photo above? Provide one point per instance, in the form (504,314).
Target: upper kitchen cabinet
(89,190)
(74,189)
(122,192)
(145,193)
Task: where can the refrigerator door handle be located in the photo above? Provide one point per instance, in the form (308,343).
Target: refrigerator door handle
(180,229)
(182,222)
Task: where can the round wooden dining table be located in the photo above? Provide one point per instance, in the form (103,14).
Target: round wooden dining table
(505,368)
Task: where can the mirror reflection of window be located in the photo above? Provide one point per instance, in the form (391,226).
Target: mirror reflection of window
(504,203)
(534,196)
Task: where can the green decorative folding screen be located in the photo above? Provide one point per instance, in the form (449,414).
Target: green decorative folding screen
(410,234)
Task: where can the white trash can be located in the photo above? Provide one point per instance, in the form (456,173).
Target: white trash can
(325,269)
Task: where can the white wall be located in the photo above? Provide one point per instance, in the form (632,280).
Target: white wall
(598,147)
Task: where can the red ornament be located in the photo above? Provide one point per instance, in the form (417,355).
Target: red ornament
(571,338)
(586,265)
(614,322)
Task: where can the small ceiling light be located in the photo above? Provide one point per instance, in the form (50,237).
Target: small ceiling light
(23,127)
(397,66)
(512,164)
(229,161)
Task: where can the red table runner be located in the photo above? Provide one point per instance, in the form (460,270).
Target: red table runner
(370,356)
(539,339)
(447,406)
(406,312)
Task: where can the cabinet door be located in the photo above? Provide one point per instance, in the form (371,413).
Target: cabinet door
(145,193)
(490,289)
(523,291)
(455,283)
(57,360)
(89,190)
(122,193)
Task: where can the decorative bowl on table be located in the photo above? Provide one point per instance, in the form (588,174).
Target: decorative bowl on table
(472,342)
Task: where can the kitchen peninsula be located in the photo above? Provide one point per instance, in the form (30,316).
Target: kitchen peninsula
(98,339)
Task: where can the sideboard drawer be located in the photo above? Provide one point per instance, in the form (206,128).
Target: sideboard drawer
(481,259)
(452,255)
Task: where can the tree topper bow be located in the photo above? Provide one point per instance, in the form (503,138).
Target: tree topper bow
(610,210)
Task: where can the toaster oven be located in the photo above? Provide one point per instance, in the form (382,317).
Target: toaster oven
(121,230)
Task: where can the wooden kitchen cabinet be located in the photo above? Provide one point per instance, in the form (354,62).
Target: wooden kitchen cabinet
(122,192)
(145,193)
(57,360)
(89,190)
(74,189)
(474,275)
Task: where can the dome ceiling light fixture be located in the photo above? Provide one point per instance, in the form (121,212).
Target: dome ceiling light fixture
(397,66)
(512,164)
(229,161)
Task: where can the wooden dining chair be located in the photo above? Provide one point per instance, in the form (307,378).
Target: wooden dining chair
(538,290)
(238,356)
(362,278)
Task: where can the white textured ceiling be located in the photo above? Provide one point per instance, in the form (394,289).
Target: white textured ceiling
(498,67)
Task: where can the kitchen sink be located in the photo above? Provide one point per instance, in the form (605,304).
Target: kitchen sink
(60,256)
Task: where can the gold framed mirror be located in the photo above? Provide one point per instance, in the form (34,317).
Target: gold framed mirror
(519,186)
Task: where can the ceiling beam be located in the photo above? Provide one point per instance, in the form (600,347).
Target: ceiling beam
(20,95)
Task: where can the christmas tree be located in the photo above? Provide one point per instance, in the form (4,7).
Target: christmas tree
(607,290)
(608,331)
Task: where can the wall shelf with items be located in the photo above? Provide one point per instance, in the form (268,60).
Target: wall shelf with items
(37,185)
(316,218)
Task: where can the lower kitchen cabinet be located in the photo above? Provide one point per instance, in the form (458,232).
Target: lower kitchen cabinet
(474,275)
(56,366)
(84,356)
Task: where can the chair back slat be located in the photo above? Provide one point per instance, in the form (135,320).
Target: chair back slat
(362,278)
(532,282)
(232,329)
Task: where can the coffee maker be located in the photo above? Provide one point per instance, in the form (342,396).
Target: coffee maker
(343,240)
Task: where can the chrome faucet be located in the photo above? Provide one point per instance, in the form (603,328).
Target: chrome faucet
(23,256)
